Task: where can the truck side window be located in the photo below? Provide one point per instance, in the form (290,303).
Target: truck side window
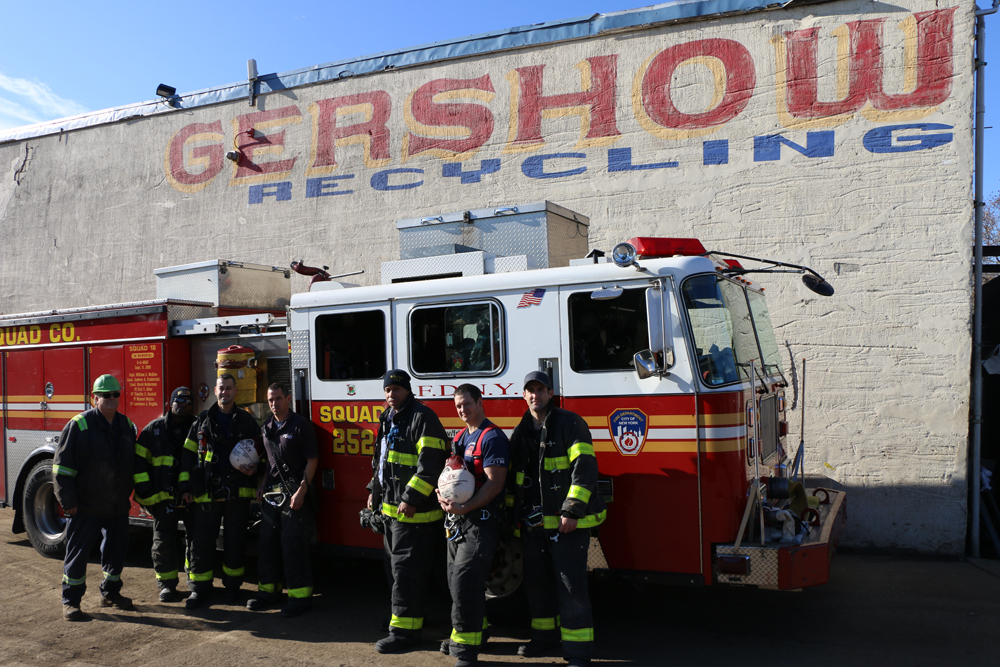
(605,335)
(765,333)
(722,329)
(351,346)
(457,339)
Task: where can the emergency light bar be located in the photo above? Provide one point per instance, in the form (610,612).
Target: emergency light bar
(649,247)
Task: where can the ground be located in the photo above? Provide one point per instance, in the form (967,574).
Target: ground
(877,610)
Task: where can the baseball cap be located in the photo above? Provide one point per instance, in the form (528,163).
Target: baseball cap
(537,376)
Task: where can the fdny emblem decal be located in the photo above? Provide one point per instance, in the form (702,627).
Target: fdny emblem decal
(203,392)
(628,430)
(351,390)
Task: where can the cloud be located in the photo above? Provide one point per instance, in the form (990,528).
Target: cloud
(31,101)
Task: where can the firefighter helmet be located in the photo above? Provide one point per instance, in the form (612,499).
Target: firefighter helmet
(106,383)
(456,483)
(244,454)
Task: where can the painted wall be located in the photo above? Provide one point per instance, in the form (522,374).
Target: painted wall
(836,135)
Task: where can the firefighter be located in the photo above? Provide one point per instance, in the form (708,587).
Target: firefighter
(410,451)
(92,475)
(287,515)
(221,493)
(157,468)
(474,526)
(561,505)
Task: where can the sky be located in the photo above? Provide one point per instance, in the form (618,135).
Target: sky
(62,58)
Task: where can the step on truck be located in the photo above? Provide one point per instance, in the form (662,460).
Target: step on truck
(666,350)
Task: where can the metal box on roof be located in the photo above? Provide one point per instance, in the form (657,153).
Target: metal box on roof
(547,233)
(226,284)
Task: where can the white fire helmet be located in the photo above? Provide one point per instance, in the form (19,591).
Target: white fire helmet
(456,483)
(244,454)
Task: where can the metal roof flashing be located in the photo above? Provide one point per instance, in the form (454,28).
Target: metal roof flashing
(679,11)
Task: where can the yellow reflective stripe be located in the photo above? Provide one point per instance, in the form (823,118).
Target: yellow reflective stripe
(519,479)
(419,517)
(74,582)
(558,463)
(112,577)
(265,588)
(184,477)
(300,593)
(142,451)
(153,499)
(580,448)
(581,635)
(190,445)
(63,470)
(405,459)
(432,443)
(140,477)
(203,576)
(202,499)
(543,623)
(467,638)
(406,622)
(589,521)
(420,486)
(485,623)
(209,455)
(508,500)
(579,492)
(247,492)
(233,572)
(166,576)
(81,422)
(162,461)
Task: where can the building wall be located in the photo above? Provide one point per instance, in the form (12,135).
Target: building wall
(836,135)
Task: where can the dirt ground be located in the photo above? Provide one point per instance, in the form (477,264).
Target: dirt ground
(877,610)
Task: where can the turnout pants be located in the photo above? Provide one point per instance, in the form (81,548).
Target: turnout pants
(284,538)
(82,533)
(412,548)
(470,558)
(232,515)
(166,537)
(555,580)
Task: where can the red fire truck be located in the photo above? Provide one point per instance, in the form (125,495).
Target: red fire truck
(665,349)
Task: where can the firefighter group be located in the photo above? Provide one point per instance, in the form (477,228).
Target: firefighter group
(540,486)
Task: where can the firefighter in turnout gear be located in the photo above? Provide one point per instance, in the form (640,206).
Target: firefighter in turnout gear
(157,487)
(474,526)
(221,493)
(410,451)
(288,516)
(561,505)
(92,475)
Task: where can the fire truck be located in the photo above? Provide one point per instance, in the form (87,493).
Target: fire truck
(666,350)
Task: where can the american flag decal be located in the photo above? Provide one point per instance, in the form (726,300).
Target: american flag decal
(532,298)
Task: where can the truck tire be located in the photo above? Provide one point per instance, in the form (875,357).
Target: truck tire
(43,517)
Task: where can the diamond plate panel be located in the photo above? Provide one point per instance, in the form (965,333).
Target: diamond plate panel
(18,451)
(763,566)
(300,349)
(227,284)
(466,264)
(595,556)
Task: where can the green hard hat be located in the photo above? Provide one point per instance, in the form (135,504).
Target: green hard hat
(106,383)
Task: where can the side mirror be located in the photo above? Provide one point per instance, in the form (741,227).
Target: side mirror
(645,364)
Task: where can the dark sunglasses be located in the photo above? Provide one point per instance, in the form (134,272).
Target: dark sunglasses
(183,401)
(108,394)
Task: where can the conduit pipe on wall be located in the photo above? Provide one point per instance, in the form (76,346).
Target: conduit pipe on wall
(977,326)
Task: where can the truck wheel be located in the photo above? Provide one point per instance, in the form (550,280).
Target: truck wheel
(506,602)
(43,517)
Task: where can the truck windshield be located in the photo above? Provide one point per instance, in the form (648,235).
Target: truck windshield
(722,328)
(765,333)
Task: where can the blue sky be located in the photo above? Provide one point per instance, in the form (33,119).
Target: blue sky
(62,58)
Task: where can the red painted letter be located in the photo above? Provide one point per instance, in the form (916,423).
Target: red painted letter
(209,156)
(249,169)
(372,133)
(433,124)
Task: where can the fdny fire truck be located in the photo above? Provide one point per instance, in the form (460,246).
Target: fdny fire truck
(665,349)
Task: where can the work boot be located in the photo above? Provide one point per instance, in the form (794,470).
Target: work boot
(259,604)
(118,601)
(578,662)
(168,594)
(537,647)
(71,612)
(196,599)
(294,608)
(467,662)
(396,643)
(232,595)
